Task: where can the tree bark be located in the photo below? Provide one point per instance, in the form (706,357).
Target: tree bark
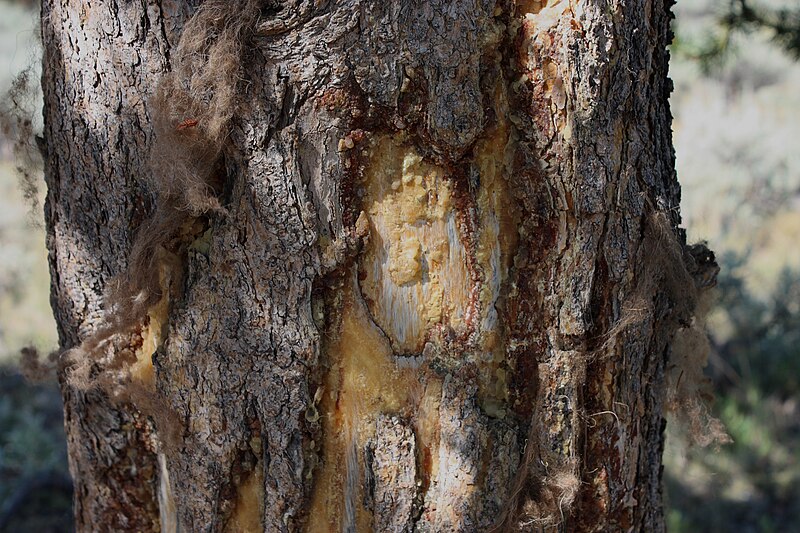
(431,290)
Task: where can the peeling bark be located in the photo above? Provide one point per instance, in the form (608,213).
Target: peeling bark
(414,310)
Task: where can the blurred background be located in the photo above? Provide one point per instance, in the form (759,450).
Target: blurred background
(736,69)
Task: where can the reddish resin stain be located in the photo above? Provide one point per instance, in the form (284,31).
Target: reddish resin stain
(186,124)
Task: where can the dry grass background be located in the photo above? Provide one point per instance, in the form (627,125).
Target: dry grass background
(737,140)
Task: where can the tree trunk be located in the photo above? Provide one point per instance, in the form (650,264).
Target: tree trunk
(391,266)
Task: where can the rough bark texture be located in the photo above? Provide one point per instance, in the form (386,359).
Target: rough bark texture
(102,62)
(434,298)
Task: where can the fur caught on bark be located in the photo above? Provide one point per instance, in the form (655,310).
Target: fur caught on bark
(35,368)
(688,274)
(17,111)
(689,394)
(547,484)
(543,492)
(191,111)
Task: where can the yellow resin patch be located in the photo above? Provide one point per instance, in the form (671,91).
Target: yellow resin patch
(364,381)
(142,369)
(415,267)
(247,514)
(496,245)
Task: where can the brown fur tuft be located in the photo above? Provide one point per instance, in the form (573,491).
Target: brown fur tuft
(192,111)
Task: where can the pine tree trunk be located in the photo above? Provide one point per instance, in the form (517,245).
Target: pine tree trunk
(418,285)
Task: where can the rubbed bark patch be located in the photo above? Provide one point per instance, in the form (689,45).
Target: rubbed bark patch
(168,515)
(415,268)
(476,456)
(153,334)
(421,309)
(498,238)
(362,383)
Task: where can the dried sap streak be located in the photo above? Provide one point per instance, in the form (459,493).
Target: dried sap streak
(153,333)
(363,382)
